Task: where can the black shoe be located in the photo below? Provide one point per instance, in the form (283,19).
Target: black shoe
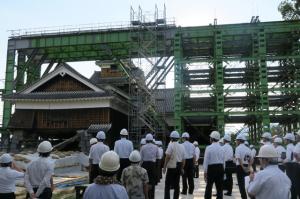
(215,194)
(183,193)
(227,194)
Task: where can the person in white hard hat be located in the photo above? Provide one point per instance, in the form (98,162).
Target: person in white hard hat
(135,178)
(9,173)
(96,151)
(271,182)
(39,174)
(93,141)
(289,162)
(149,154)
(243,162)
(197,156)
(106,185)
(253,155)
(190,158)
(280,151)
(143,142)
(214,165)
(229,164)
(123,148)
(174,164)
(267,138)
(159,161)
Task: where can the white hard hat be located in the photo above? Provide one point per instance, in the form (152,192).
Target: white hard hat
(174,134)
(289,136)
(215,135)
(93,141)
(149,137)
(195,143)
(278,140)
(267,151)
(44,147)
(241,137)
(5,158)
(124,132)
(185,135)
(246,143)
(110,161)
(267,135)
(143,141)
(159,143)
(135,156)
(227,137)
(251,146)
(101,135)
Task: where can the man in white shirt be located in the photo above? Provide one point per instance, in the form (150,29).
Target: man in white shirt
(96,152)
(123,148)
(9,173)
(214,164)
(39,174)
(271,182)
(229,164)
(289,162)
(197,155)
(159,161)
(189,165)
(174,164)
(267,138)
(243,163)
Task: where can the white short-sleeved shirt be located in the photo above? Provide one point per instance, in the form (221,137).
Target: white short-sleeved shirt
(189,150)
(123,148)
(180,155)
(270,183)
(289,152)
(214,154)
(244,153)
(8,179)
(96,152)
(149,152)
(228,152)
(281,152)
(253,153)
(160,153)
(197,153)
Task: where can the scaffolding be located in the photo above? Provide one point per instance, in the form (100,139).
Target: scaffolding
(236,73)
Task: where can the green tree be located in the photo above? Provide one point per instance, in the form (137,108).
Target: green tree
(290,9)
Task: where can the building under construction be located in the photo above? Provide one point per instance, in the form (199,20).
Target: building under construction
(237,73)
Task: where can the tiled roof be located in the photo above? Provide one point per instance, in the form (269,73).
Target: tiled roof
(164,100)
(56,95)
(93,128)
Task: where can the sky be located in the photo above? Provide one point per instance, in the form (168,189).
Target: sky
(25,14)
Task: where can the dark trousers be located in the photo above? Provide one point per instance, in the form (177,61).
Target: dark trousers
(293,172)
(196,171)
(152,174)
(215,174)
(241,174)
(46,194)
(172,180)
(124,162)
(159,170)
(7,195)
(228,183)
(254,164)
(188,176)
(94,172)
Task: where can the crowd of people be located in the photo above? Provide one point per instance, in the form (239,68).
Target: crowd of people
(124,173)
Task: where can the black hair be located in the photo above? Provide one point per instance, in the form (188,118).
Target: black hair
(149,141)
(100,140)
(174,139)
(241,141)
(44,155)
(214,140)
(107,173)
(6,164)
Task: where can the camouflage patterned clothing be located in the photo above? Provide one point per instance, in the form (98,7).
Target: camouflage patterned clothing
(133,178)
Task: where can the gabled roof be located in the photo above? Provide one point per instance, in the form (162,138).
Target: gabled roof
(62,70)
